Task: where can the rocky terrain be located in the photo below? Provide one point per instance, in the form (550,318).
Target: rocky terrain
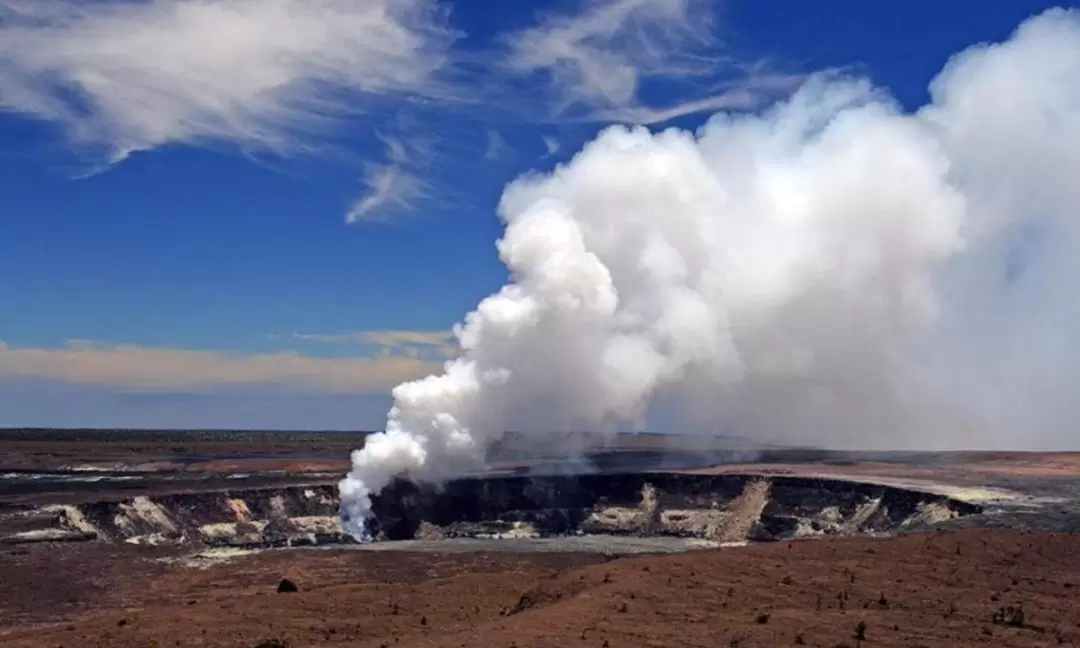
(168,540)
(723,509)
(961,588)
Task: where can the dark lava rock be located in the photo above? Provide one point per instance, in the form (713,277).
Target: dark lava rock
(773,527)
(286,586)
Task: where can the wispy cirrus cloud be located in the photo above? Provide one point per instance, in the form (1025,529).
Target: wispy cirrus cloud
(155,368)
(599,55)
(744,94)
(391,189)
(131,75)
(293,76)
(496,145)
(597,59)
(395,186)
(551,145)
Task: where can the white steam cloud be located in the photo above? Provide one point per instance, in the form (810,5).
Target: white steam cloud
(831,271)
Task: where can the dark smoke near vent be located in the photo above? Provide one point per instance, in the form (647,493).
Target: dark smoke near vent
(830,271)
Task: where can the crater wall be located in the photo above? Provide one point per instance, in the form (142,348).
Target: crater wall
(720,508)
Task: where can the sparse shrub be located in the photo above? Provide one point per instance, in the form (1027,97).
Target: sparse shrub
(272,643)
(286,586)
(860,631)
(423,620)
(882,601)
(951,611)
(1010,616)
(800,640)
(763,618)
(787,580)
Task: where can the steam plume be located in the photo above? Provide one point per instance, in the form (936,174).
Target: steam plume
(830,271)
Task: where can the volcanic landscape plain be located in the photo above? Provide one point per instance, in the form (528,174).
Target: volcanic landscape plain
(126,538)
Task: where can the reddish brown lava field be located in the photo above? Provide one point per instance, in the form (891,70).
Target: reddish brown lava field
(931,589)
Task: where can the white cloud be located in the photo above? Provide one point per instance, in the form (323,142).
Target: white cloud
(395,186)
(410,146)
(600,60)
(745,97)
(395,150)
(391,188)
(598,56)
(125,76)
(165,368)
(282,76)
(551,144)
(496,145)
(413,343)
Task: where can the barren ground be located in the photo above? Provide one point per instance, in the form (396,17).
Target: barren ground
(917,590)
(946,588)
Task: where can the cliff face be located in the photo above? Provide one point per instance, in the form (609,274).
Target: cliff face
(724,509)
(258,517)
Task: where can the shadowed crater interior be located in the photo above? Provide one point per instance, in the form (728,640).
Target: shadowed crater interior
(722,508)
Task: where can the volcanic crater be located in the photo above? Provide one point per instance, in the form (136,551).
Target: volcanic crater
(687,509)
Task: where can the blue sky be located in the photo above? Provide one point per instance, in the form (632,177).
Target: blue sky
(265,214)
